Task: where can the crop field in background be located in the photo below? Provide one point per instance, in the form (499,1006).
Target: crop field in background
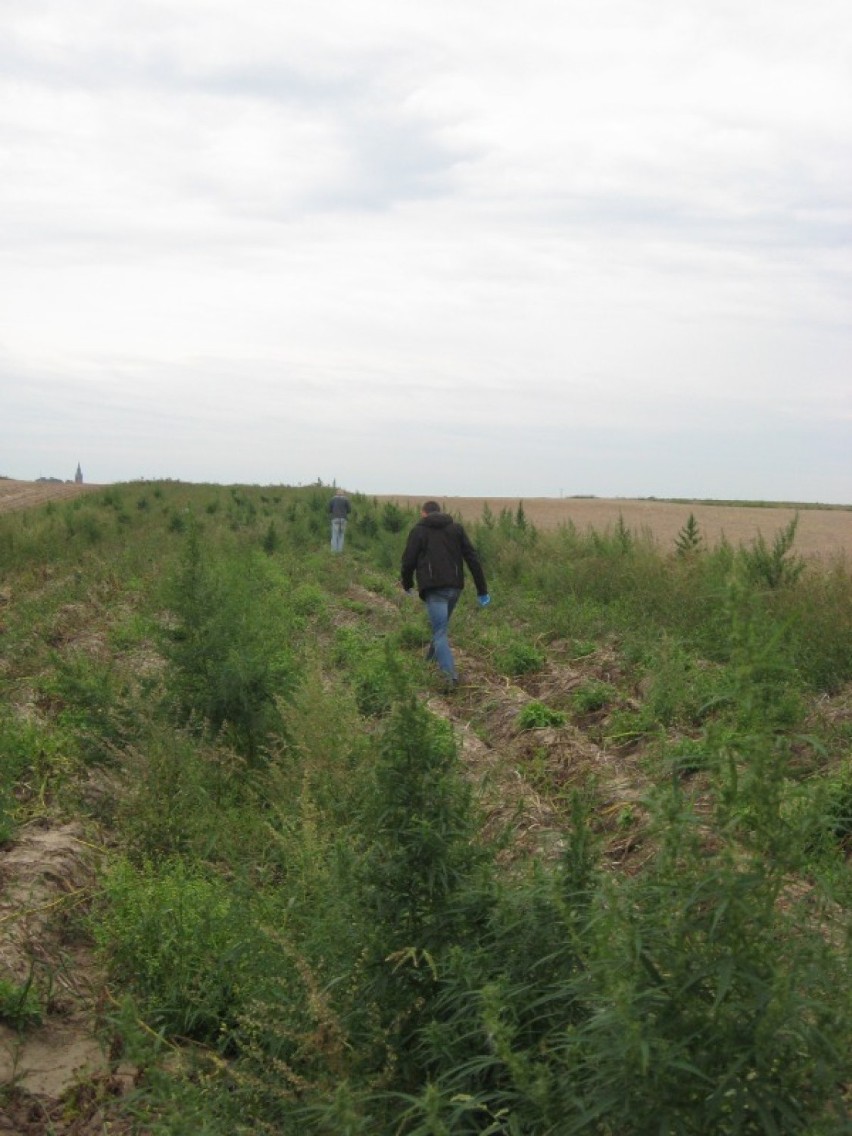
(822,530)
(260,873)
(27,494)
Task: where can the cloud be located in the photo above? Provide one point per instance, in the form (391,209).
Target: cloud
(391,236)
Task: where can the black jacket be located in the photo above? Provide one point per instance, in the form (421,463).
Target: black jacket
(339,507)
(437,550)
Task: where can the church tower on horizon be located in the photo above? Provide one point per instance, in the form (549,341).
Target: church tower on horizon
(78,476)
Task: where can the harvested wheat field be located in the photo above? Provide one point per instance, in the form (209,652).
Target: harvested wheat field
(27,494)
(824,532)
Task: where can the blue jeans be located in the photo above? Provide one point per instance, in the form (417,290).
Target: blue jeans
(338,531)
(439,607)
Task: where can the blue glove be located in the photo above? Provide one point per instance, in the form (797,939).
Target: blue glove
(483,601)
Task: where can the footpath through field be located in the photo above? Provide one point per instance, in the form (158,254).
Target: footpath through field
(524,779)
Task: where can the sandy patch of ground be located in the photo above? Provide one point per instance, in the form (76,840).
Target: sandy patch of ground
(44,874)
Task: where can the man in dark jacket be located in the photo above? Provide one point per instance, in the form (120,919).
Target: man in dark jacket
(339,508)
(436,552)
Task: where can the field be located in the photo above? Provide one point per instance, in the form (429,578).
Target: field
(822,531)
(28,494)
(262,872)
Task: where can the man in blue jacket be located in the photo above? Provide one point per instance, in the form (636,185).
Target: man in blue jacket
(435,553)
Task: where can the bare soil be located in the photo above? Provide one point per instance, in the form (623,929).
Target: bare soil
(822,531)
(57,1075)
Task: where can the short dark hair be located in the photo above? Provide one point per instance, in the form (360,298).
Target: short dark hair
(431,507)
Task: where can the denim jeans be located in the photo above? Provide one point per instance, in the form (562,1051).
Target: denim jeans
(338,531)
(439,607)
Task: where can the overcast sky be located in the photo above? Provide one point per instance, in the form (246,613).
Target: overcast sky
(460,247)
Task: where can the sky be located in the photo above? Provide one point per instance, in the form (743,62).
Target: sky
(464,248)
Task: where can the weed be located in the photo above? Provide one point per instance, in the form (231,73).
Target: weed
(516,657)
(179,798)
(373,669)
(412,636)
(35,760)
(89,700)
(180,942)
(393,519)
(826,810)
(680,689)
(20,1005)
(536,716)
(592,696)
(304,885)
(228,650)
(308,599)
(689,540)
(271,541)
(688,755)
(520,659)
(774,567)
(422,860)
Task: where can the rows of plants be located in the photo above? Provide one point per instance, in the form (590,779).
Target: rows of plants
(306,923)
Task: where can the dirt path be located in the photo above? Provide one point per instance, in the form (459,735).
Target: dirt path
(524,779)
